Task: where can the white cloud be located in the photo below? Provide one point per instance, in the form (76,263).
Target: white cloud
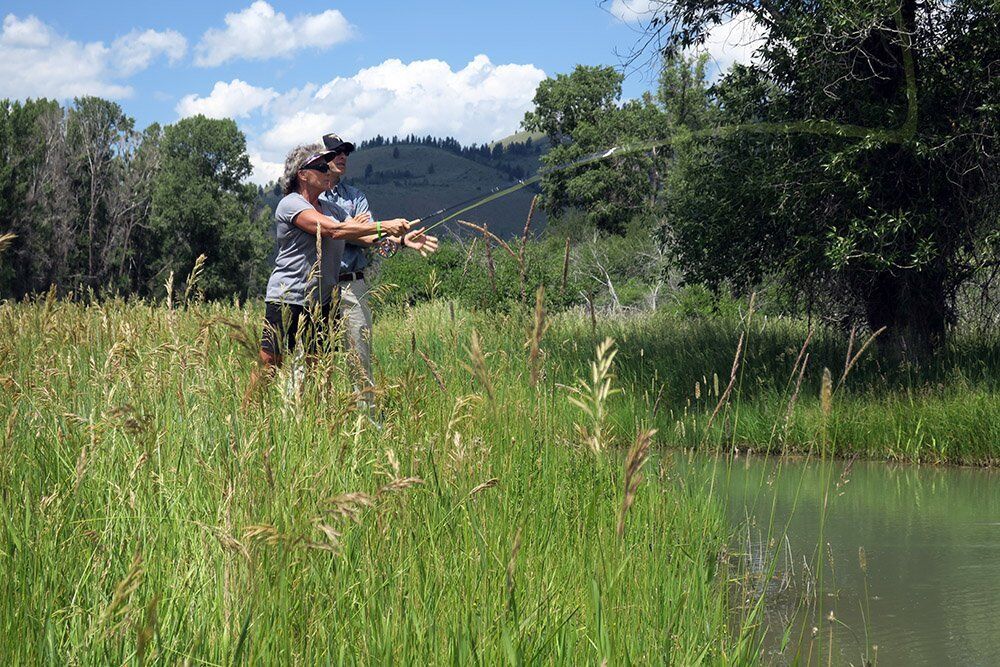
(135,51)
(259,32)
(35,61)
(477,103)
(734,41)
(634,11)
(265,171)
(227,100)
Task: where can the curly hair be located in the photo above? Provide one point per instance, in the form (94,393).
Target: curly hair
(290,181)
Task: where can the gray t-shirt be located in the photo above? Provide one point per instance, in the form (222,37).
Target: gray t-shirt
(293,280)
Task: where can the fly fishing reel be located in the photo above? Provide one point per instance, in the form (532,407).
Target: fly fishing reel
(385,248)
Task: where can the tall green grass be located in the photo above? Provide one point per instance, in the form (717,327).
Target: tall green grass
(153,513)
(150,514)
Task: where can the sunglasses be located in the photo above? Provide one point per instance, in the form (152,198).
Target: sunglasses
(321,167)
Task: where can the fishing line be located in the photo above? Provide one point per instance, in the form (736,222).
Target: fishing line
(819,127)
(905,132)
(500,191)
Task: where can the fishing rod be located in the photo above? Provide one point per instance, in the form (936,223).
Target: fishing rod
(500,191)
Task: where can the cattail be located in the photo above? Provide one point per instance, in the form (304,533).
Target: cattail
(863,559)
(565,273)
(488,484)
(826,394)
(478,364)
(537,332)
(636,459)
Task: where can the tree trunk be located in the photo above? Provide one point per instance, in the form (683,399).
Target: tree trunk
(916,310)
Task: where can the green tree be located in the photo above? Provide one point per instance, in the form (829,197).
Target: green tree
(201,205)
(580,114)
(683,92)
(102,143)
(33,201)
(875,185)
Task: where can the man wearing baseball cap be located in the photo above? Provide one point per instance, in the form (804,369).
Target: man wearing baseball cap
(354,308)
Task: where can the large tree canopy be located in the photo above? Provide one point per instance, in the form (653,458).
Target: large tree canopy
(889,222)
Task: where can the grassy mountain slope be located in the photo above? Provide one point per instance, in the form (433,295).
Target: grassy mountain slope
(423,179)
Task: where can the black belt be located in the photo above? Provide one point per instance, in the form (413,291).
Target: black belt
(350,277)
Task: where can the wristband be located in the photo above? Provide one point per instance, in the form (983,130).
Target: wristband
(378,229)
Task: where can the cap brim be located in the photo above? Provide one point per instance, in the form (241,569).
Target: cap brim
(321,155)
(343,147)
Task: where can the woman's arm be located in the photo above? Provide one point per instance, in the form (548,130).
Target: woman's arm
(353,229)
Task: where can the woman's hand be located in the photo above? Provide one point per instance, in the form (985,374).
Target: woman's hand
(420,242)
(395,227)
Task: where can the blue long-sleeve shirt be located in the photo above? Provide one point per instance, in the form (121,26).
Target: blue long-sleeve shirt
(348,201)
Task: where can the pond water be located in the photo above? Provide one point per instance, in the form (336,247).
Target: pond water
(925,591)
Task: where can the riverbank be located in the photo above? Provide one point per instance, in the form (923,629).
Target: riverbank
(675,372)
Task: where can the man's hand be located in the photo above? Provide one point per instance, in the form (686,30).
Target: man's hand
(420,242)
(396,226)
(363,218)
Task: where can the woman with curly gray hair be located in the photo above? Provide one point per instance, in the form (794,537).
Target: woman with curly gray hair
(310,241)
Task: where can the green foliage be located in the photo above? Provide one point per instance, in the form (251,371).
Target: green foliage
(462,274)
(579,113)
(33,258)
(97,205)
(885,224)
(202,206)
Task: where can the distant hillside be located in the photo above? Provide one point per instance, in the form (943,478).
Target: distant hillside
(418,176)
(423,179)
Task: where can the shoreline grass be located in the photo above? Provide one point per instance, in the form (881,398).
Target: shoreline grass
(151,516)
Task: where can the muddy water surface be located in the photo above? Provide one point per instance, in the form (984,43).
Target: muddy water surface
(925,590)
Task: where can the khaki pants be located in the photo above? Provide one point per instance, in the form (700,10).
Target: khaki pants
(357,323)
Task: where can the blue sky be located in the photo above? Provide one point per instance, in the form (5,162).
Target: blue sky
(287,72)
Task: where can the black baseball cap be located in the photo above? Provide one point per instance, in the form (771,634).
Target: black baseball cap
(334,143)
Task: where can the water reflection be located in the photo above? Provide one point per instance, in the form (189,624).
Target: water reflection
(931,545)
